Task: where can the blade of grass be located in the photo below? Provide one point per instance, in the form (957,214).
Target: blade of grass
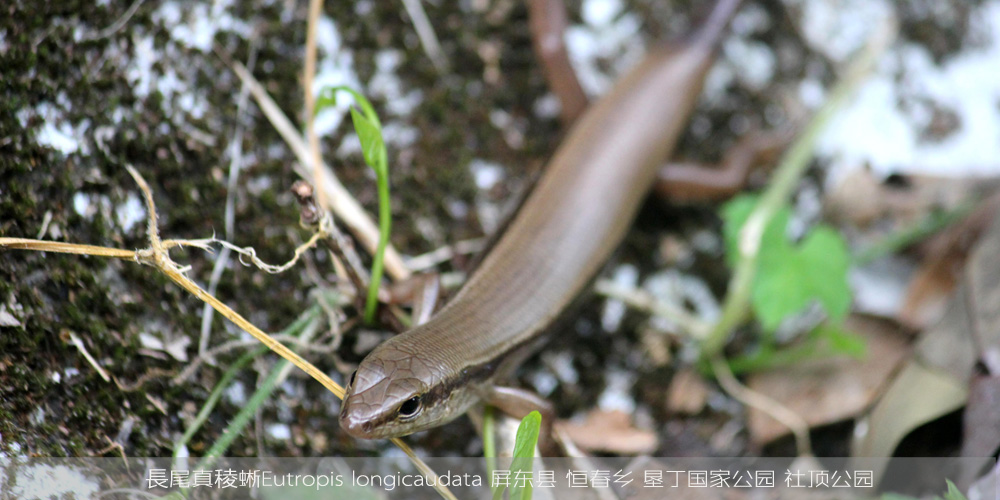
(243,417)
(231,373)
(918,231)
(524,455)
(263,392)
(369,130)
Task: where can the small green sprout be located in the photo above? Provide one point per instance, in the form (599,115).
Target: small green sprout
(789,277)
(369,130)
(524,455)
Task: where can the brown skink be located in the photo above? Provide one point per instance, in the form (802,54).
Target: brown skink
(568,226)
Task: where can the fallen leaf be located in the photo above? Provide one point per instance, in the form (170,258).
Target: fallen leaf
(945,258)
(917,395)
(610,432)
(827,390)
(983,276)
(935,381)
(688,393)
(861,198)
(176,347)
(981,426)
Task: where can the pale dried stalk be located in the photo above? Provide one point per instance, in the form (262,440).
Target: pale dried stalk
(425,32)
(75,340)
(315,6)
(60,247)
(774,409)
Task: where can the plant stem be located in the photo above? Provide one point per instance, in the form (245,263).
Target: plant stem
(790,169)
(384,229)
(489,442)
(906,236)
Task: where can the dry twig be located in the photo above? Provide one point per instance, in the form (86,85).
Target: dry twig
(425,32)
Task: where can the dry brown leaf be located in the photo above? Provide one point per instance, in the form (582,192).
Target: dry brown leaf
(935,381)
(918,394)
(855,199)
(688,393)
(861,198)
(610,432)
(981,429)
(945,257)
(828,390)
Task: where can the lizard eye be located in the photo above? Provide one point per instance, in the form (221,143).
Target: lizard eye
(353,375)
(410,408)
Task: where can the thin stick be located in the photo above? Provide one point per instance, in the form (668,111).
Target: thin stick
(313,216)
(46,220)
(315,6)
(115,26)
(90,359)
(548,20)
(644,301)
(60,247)
(443,254)
(425,32)
(776,410)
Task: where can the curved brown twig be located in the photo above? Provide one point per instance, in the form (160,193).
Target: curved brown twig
(687,182)
(547,19)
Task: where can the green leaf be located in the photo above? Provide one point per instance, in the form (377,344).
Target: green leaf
(327,99)
(953,492)
(370,136)
(524,455)
(767,357)
(824,341)
(842,341)
(789,278)
(369,130)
